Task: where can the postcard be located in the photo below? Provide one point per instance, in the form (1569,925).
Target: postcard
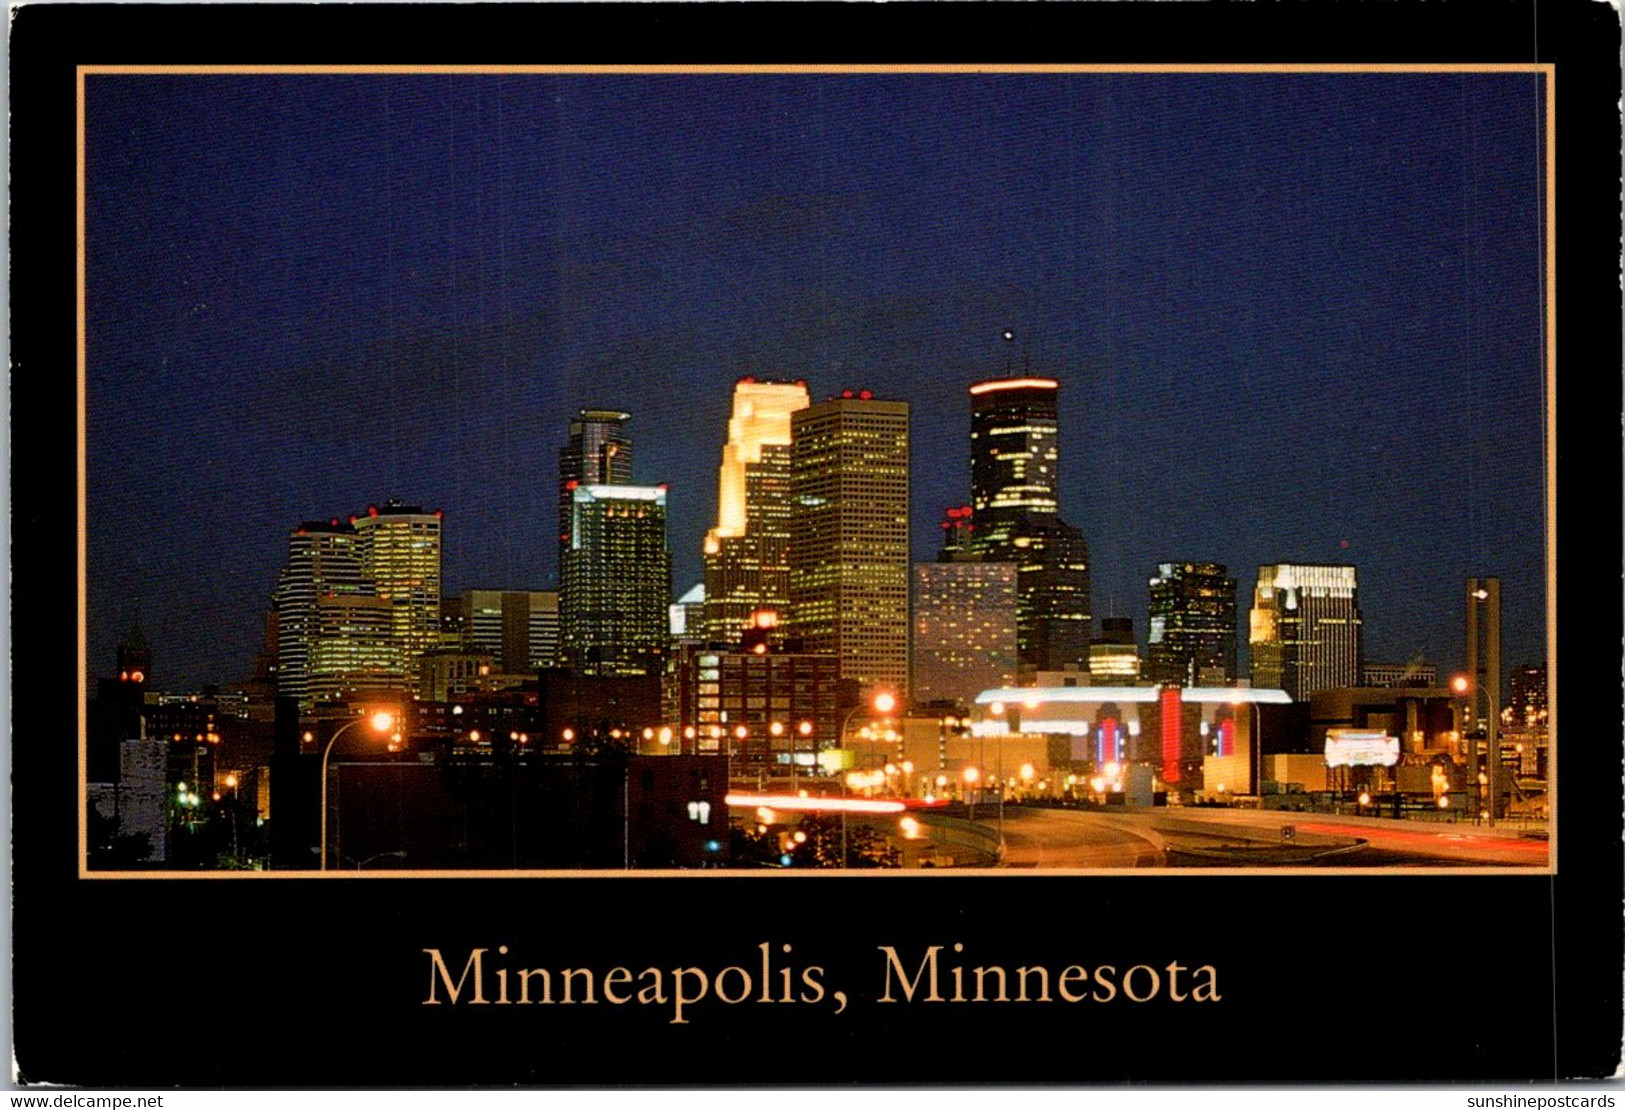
(591,551)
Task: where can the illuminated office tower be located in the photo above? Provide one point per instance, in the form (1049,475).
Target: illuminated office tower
(355,648)
(1526,707)
(333,632)
(599,453)
(1015,453)
(1192,637)
(1015,480)
(1114,657)
(747,556)
(1305,629)
(849,565)
(399,550)
(616,581)
(964,630)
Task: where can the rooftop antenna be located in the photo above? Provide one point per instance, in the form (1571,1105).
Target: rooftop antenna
(1009,366)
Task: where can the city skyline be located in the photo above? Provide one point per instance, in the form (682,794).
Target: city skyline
(1189,424)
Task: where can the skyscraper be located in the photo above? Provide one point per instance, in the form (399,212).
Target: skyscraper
(354,648)
(1192,638)
(1114,657)
(1015,481)
(849,564)
(747,559)
(964,630)
(1305,629)
(399,550)
(598,452)
(334,633)
(616,581)
(1526,707)
(1015,452)
(519,629)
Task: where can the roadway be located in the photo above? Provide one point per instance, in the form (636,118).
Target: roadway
(1188,836)
(1069,838)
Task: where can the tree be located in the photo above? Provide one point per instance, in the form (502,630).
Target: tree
(112,850)
(865,847)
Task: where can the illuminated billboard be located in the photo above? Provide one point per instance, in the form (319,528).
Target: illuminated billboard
(1354,747)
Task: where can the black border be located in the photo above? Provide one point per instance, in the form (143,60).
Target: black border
(293,982)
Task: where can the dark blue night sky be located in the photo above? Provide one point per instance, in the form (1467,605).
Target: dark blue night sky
(1295,317)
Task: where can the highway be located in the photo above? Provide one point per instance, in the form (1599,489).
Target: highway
(1186,837)
(1068,838)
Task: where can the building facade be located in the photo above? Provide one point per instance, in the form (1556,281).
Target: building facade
(399,549)
(1192,636)
(597,452)
(1305,628)
(616,581)
(1526,705)
(355,648)
(451,672)
(768,709)
(1015,482)
(964,630)
(1114,657)
(1413,673)
(1173,729)
(849,548)
(334,633)
(747,554)
(518,629)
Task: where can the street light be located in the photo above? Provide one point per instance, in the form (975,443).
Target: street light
(883,703)
(1462,686)
(382,722)
(997,709)
(804,728)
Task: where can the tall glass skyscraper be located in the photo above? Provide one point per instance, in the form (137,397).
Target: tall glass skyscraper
(615,583)
(849,565)
(1015,483)
(1015,452)
(1192,638)
(747,554)
(1305,629)
(614,566)
(598,452)
(334,633)
(399,549)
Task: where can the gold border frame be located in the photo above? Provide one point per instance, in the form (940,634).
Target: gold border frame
(1548,332)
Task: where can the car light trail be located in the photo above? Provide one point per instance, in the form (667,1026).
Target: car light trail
(797,803)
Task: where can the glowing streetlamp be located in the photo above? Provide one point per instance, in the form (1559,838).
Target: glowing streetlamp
(1463,687)
(883,703)
(382,722)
